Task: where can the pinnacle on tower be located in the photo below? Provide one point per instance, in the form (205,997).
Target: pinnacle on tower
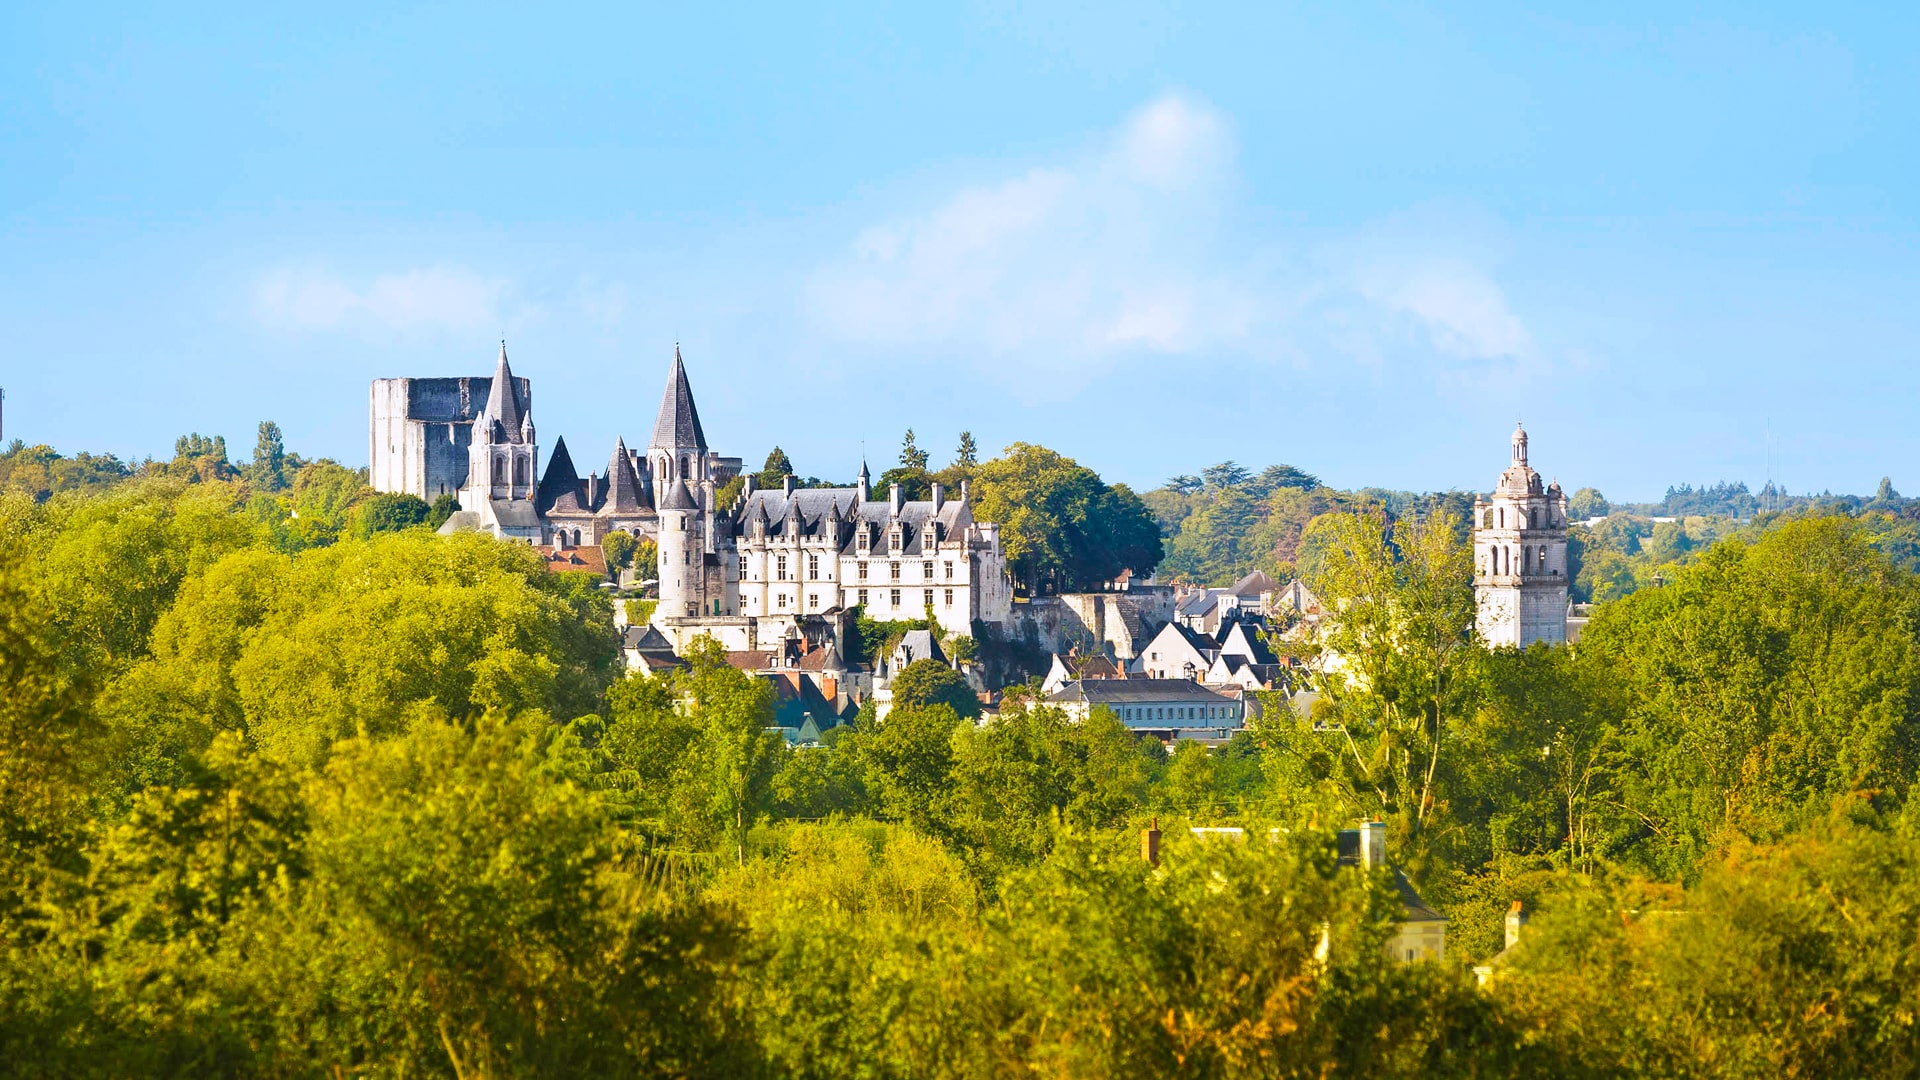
(623,482)
(503,403)
(678,427)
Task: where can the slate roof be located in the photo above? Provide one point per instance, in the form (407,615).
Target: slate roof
(917,645)
(678,497)
(1139,691)
(678,427)
(624,491)
(1253,584)
(561,487)
(504,407)
(808,512)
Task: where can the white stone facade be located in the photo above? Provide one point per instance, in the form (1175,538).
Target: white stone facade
(1520,557)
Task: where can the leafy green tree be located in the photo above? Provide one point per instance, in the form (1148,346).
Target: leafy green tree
(968,455)
(1405,635)
(199,458)
(1061,526)
(1227,474)
(911,456)
(732,762)
(777,468)
(268,469)
(443,508)
(906,761)
(391,512)
(1586,504)
(619,547)
(930,682)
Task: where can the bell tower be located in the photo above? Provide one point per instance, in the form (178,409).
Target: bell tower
(1520,557)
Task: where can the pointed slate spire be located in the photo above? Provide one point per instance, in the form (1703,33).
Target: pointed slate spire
(678,427)
(560,480)
(624,495)
(866,483)
(503,403)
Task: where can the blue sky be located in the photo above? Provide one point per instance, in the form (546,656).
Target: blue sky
(1361,239)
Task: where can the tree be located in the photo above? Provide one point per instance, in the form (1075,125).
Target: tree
(268,469)
(619,546)
(1587,504)
(911,456)
(777,468)
(1404,596)
(1227,474)
(391,512)
(443,508)
(1184,484)
(197,457)
(736,755)
(906,761)
(967,456)
(1061,526)
(930,682)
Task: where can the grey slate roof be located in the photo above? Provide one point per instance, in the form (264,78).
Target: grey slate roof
(1254,584)
(624,493)
(678,427)
(818,506)
(504,407)
(678,497)
(560,486)
(1139,691)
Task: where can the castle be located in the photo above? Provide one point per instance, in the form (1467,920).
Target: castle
(774,564)
(1520,557)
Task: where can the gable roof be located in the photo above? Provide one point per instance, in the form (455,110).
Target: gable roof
(918,645)
(1254,584)
(678,427)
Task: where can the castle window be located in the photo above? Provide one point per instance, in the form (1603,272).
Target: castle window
(783,600)
(813,568)
(1503,517)
(499,470)
(1533,519)
(895,568)
(519,470)
(895,597)
(813,599)
(949,597)
(743,566)
(864,539)
(862,601)
(949,570)
(926,597)
(692,608)
(926,571)
(780,567)
(863,571)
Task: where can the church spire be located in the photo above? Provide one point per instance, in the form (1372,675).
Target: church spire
(503,403)
(678,427)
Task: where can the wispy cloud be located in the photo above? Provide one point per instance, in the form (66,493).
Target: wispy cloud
(1092,256)
(1137,246)
(425,299)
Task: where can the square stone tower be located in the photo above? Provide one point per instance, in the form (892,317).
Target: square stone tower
(1520,557)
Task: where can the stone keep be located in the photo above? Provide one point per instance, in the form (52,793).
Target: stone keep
(1520,557)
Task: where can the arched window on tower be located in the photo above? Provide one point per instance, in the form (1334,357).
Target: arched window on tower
(499,470)
(519,470)
(1487,522)
(1503,517)
(1533,519)
(1526,557)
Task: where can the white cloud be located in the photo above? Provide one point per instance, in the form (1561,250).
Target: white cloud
(1462,310)
(433,298)
(1101,255)
(1132,248)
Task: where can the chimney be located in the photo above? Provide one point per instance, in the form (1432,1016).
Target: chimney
(1150,843)
(746,485)
(963,491)
(1373,844)
(1516,919)
(937,497)
(593,489)
(786,484)
(893,497)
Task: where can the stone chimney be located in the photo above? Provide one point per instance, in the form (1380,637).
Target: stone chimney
(1373,844)
(1516,921)
(938,497)
(963,491)
(593,489)
(786,484)
(893,498)
(1150,843)
(746,485)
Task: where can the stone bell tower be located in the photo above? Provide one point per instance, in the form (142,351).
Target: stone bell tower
(1520,557)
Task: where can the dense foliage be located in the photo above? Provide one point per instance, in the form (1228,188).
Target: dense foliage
(291,786)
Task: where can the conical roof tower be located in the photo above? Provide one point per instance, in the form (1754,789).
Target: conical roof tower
(506,413)
(678,427)
(624,494)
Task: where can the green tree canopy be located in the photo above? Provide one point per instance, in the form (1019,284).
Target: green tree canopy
(1062,527)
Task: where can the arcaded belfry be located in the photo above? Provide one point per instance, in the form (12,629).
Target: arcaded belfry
(1520,557)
